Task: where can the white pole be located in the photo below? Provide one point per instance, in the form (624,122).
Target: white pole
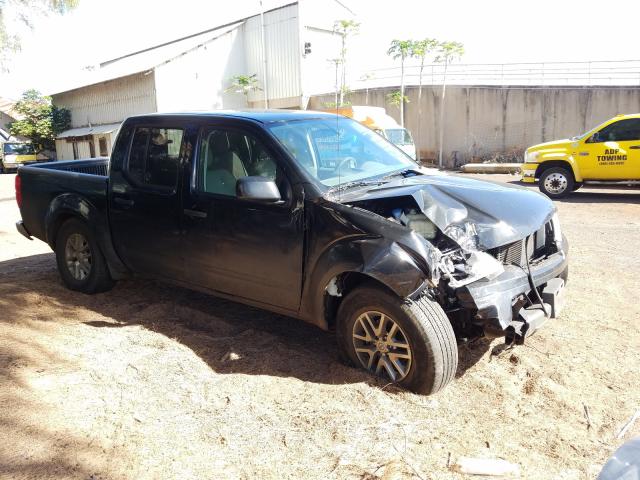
(264,58)
(444,91)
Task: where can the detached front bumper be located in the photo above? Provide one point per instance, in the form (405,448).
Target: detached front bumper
(494,300)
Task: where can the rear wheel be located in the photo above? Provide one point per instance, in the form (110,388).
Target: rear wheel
(409,343)
(556,182)
(80,261)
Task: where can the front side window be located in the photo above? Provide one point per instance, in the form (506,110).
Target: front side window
(229,155)
(337,150)
(154,156)
(621,131)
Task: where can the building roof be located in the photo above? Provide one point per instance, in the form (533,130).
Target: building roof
(94,130)
(6,107)
(145,60)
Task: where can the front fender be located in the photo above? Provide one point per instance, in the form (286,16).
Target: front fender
(557,157)
(73,205)
(382,259)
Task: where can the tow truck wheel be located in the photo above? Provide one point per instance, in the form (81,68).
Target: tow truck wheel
(409,343)
(556,182)
(80,261)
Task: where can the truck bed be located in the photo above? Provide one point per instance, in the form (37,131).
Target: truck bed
(68,181)
(93,166)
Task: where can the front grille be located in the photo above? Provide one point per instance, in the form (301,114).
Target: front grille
(511,254)
(538,245)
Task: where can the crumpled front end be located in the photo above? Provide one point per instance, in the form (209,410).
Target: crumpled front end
(501,259)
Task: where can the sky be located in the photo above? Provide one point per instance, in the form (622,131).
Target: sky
(492,31)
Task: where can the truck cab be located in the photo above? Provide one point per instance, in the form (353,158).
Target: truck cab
(608,153)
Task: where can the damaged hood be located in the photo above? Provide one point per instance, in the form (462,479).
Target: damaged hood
(496,214)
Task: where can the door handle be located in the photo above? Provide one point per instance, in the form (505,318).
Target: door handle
(194,213)
(635,147)
(125,202)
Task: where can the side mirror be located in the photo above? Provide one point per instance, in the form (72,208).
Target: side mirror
(257,189)
(595,138)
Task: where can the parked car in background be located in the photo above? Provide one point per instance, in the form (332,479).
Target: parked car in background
(14,154)
(377,119)
(313,216)
(608,153)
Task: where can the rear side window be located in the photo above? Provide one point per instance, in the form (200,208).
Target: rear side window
(154,156)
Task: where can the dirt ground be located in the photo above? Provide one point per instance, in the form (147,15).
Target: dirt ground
(139,383)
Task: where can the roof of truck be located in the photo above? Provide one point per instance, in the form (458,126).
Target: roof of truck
(258,115)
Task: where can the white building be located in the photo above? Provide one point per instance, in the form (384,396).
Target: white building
(193,73)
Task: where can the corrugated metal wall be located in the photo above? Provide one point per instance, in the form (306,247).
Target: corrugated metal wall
(282,39)
(110,102)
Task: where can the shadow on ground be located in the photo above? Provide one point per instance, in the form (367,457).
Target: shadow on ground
(266,343)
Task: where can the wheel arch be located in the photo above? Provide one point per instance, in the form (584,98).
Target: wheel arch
(351,263)
(69,205)
(567,164)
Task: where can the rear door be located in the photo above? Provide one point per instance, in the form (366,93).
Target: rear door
(613,153)
(144,200)
(245,249)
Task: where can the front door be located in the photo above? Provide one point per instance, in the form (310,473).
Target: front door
(145,205)
(613,153)
(241,248)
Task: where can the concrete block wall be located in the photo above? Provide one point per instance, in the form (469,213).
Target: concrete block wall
(498,122)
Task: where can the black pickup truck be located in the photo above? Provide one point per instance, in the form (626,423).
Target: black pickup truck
(314,216)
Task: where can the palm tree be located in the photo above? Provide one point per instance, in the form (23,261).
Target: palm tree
(421,49)
(400,49)
(244,84)
(447,53)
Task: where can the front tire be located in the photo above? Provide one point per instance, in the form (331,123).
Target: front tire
(409,343)
(556,182)
(80,261)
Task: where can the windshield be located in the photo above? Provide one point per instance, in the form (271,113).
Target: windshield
(399,136)
(18,149)
(339,150)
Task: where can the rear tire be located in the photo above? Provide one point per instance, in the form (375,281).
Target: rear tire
(390,336)
(80,261)
(556,182)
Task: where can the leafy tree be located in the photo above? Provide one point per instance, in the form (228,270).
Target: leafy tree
(244,84)
(41,121)
(395,99)
(401,49)
(421,49)
(448,52)
(345,28)
(25,11)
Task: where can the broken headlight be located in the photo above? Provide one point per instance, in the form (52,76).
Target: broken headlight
(461,268)
(465,235)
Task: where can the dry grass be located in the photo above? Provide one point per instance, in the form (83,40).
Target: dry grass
(151,381)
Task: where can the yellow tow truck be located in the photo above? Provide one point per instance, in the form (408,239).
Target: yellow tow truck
(608,153)
(14,154)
